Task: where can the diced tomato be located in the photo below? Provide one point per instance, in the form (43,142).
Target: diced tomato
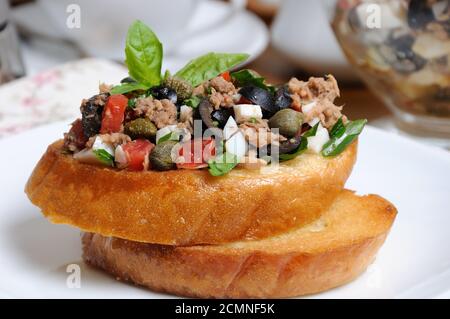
(113,113)
(226,76)
(197,153)
(296,106)
(244,100)
(137,152)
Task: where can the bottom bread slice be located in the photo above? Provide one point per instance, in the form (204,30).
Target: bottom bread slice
(329,253)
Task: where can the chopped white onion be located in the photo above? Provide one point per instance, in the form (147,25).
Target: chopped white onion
(237,145)
(164,131)
(316,143)
(314,121)
(230,128)
(99,144)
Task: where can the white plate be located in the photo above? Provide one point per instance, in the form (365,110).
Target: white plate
(414,262)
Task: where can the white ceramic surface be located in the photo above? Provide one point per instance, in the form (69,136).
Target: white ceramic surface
(414,262)
(102,31)
(243,32)
(302,32)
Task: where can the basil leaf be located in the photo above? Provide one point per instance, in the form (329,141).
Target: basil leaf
(166,75)
(312,131)
(128,87)
(144,54)
(131,103)
(214,171)
(338,144)
(249,77)
(104,157)
(222,164)
(209,66)
(338,128)
(193,101)
(300,149)
(164,138)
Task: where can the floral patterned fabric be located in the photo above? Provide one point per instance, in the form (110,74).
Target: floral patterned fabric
(53,95)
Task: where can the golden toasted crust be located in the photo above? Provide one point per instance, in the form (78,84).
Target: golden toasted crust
(326,254)
(185,207)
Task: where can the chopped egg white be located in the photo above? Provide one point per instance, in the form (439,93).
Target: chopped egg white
(316,143)
(99,144)
(230,128)
(176,133)
(164,131)
(237,145)
(246,112)
(314,121)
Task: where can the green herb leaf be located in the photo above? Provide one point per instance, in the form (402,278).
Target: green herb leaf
(128,87)
(104,157)
(131,103)
(166,75)
(299,150)
(214,171)
(222,164)
(312,131)
(209,66)
(164,138)
(249,77)
(338,144)
(338,128)
(144,54)
(193,101)
(303,144)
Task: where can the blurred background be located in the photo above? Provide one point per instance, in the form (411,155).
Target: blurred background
(391,58)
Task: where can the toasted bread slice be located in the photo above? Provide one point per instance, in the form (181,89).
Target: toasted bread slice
(186,207)
(328,253)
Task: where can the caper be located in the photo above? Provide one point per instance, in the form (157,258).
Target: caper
(287,121)
(141,128)
(161,156)
(181,87)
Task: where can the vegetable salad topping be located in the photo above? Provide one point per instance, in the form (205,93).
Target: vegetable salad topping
(205,116)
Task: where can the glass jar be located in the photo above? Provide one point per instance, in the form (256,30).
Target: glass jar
(401,49)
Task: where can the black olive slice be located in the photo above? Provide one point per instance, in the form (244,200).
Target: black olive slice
(282,98)
(163,92)
(260,97)
(205,109)
(91,114)
(221,116)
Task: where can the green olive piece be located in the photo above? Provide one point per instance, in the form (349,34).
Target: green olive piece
(161,156)
(287,121)
(141,128)
(180,86)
